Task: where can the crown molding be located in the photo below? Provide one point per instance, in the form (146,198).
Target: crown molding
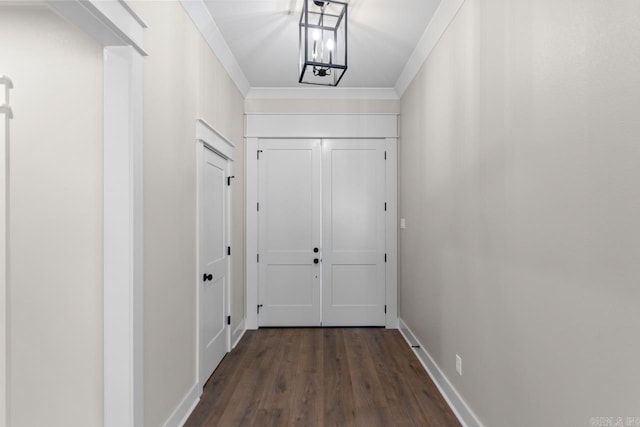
(369,93)
(201,17)
(443,16)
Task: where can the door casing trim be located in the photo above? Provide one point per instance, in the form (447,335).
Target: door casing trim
(208,138)
(361,126)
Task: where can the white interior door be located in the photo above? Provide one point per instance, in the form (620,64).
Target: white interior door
(214,266)
(289,230)
(353,233)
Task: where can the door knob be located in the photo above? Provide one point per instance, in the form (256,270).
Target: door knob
(315,250)
(316,260)
(207,277)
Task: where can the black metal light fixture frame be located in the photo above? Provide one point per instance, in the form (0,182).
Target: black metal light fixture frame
(323,42)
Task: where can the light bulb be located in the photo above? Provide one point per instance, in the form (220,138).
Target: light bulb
(330,44)
(316,34)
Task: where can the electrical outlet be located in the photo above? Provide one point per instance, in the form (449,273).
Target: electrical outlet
(459,365)
(402,223)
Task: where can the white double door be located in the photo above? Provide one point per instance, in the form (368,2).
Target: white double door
(321,233)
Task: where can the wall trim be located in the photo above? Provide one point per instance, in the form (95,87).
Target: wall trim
(297,113)
(5,104)
(314,126)
(209,136)
(133,13)
(443,16)
(122,238)
(186,406)
(383,128)
(120,31)
(238,333)
(459,407)
(111,23)
(341,93)
(5,109)
(6,81)
(391,233)
(5,308)
(251,229)
(201,17)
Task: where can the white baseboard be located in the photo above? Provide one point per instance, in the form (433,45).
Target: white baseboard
(184,409)
(459,407)
(238,333)
(192,397)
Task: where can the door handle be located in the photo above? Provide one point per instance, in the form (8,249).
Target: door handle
(316,260)
(206,277)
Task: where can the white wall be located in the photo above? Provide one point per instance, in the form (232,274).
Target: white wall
(519,185)
(57,213)
(56,219)
(183,81)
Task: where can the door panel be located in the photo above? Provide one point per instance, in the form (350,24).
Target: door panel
(353,178)
(354,284)
(289,285)
(289,229)
(353,196)
(214,264)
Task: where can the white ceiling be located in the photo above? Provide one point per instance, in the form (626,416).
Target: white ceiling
(263,37)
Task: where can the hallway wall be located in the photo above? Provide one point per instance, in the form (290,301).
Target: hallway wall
(519,184)
(183,80)
(55,219)
(56,209)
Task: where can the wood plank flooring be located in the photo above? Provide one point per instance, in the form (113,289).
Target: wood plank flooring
(321,377)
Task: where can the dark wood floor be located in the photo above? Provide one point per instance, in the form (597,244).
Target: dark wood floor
(321,377)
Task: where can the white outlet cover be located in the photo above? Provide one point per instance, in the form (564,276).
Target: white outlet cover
(402,223)
(459,365)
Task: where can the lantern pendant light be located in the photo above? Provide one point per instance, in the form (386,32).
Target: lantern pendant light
(323,42)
